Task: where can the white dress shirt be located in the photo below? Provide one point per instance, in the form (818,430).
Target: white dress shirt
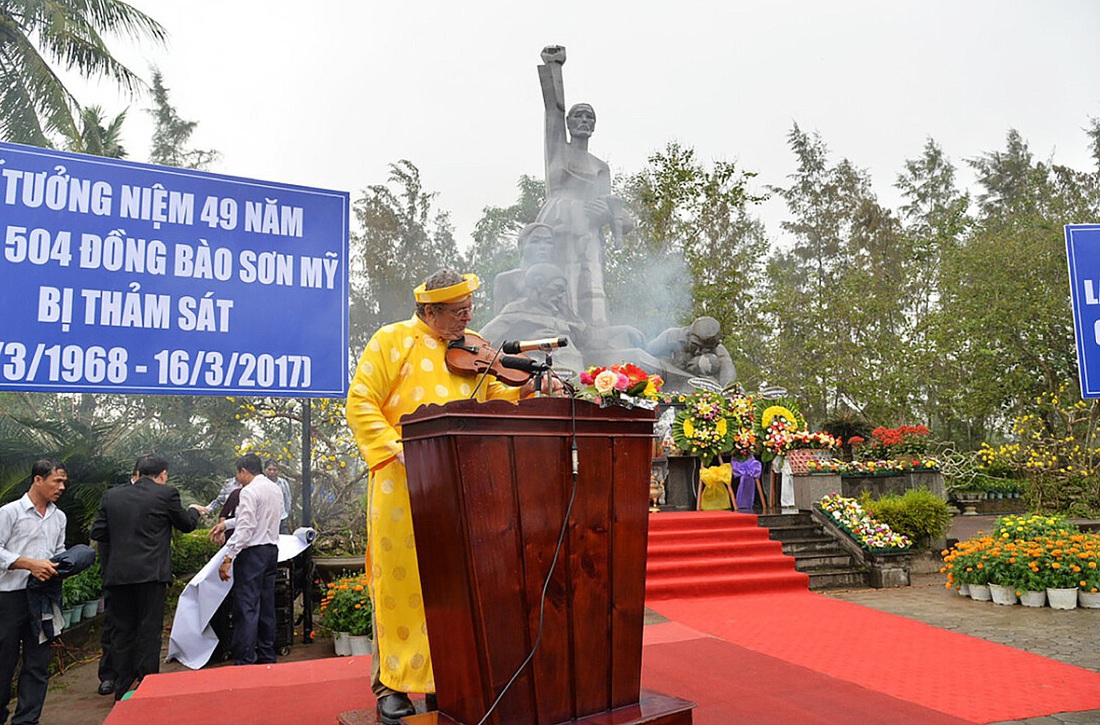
(257,517)
(25,532)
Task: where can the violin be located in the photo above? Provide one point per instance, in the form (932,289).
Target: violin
(473,355)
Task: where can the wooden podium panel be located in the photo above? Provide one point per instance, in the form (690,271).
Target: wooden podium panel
(490,485)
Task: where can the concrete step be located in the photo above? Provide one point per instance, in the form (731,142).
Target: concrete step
(770,520)
(812,562)
(795,531)
(837,578)
(815,545)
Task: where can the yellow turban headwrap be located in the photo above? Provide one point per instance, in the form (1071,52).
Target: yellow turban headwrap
(455,292)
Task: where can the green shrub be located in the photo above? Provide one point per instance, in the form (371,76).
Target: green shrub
(190,552)
(919,514)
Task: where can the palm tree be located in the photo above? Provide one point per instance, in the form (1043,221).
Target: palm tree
(34,103)
(97,139)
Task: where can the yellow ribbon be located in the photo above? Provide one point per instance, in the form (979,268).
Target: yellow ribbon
(716,475)
(715,496)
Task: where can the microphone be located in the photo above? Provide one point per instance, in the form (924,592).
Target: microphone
(515,362)
(545,345)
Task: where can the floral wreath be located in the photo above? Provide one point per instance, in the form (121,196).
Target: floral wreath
(779,421)
(707,426)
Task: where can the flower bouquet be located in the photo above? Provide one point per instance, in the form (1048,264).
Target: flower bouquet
(625,384)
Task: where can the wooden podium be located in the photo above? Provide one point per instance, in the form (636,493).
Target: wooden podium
(490,485)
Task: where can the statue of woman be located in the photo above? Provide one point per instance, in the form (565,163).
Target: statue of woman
(579,202)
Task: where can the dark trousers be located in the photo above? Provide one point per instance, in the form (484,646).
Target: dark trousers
(15,633)
(254,605)
(106,664)
(222,624)
(135,614)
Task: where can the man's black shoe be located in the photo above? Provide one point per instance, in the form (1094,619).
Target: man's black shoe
(106,687)
(393,707)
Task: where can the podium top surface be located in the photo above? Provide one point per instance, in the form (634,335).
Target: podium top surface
(533,416)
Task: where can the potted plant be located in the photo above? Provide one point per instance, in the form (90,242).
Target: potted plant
(1001,564)
(70,600)
(1061,570)
(1088,594)
(965,564)
(346,610)
(91,588)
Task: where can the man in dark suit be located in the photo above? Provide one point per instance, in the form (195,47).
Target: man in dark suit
(136,522)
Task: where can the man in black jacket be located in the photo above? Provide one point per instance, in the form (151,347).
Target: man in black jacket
(136,522)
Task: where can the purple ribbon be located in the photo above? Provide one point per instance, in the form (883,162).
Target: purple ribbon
(748,470)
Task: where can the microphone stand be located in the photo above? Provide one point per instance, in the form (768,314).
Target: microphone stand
(539,375)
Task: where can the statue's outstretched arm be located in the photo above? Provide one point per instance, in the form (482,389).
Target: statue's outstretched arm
(553,100)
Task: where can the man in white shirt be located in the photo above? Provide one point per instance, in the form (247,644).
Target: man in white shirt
(32,530)
(271,470)
(250,560)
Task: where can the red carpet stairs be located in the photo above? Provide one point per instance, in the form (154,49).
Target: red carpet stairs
(715,553)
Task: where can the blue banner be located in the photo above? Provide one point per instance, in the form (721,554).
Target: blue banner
(130,278)
(1083,253)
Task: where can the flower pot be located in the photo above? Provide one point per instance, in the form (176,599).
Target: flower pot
(75,617)
(359,644)
(341,640)
(1062,598)
(1088,600)
(969,501)
(1033,599)
(1002,595)
(980,592)
(90,609)
(964,590)
(68,615)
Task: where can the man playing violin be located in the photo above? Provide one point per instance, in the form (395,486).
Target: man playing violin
(402,368)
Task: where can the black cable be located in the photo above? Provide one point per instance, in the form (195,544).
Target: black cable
(553,565)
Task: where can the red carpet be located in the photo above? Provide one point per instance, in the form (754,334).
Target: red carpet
(957,675)
(781,658)
(787,656)
(299,693)
(715,553)
(731,684)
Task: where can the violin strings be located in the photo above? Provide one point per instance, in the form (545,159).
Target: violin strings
(485,372)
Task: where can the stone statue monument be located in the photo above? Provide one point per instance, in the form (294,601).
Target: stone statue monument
(536,244)
(579,203)
(558,289)
(542,312)
(695,351)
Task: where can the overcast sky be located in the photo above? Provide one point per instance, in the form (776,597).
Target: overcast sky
(327,93)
